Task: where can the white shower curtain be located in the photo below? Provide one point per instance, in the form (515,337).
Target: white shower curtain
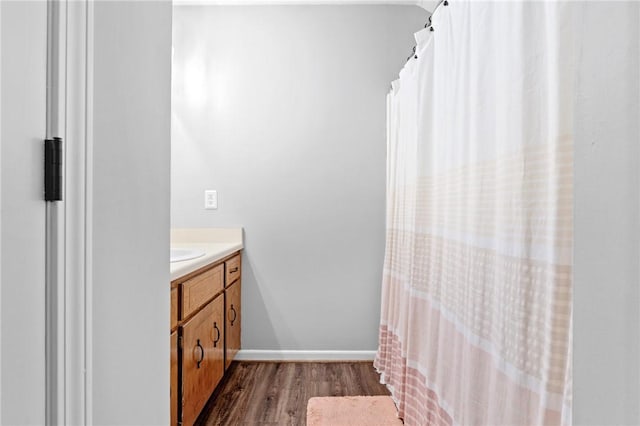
(477,287)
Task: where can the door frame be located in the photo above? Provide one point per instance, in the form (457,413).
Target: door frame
(69,222)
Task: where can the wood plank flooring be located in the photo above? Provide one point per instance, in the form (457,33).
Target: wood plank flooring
(276,393)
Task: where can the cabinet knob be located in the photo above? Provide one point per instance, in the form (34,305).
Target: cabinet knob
(199,346)
(217,339)
(235,314)
(232,270)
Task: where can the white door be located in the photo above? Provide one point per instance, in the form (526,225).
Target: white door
(23,71)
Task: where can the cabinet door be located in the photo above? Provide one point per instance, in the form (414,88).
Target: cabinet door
(174,378)
(202,358)
(233,323)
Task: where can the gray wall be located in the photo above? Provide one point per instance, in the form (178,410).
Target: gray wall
(281,109)
(607,216)
(132,107)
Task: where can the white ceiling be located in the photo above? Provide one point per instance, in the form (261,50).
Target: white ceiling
(427,4)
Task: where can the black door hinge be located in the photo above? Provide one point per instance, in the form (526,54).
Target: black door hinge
(53,169)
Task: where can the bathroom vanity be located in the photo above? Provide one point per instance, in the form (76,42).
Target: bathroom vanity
(205,325)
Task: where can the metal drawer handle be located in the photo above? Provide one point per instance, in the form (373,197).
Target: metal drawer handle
(201,353)
(217,339)
(231,271)
(235,314)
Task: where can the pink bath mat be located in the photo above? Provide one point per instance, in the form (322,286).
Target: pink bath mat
(352,411)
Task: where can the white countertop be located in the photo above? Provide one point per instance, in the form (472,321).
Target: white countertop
(215,242)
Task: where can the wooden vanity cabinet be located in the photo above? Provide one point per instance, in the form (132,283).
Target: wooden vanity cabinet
(206,337)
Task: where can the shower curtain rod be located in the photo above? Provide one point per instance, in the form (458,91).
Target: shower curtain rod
(428,25)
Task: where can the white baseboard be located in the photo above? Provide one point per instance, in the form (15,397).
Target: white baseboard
(285,355)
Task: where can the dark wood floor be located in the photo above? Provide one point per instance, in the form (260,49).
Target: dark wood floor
(276,393)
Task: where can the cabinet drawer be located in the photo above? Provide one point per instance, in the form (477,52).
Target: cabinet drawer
(174,308)
(202,358)
(200,289)
(232,268)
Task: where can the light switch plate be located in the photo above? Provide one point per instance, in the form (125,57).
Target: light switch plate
(210,200)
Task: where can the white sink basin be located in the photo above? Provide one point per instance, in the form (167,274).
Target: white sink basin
(180,254)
